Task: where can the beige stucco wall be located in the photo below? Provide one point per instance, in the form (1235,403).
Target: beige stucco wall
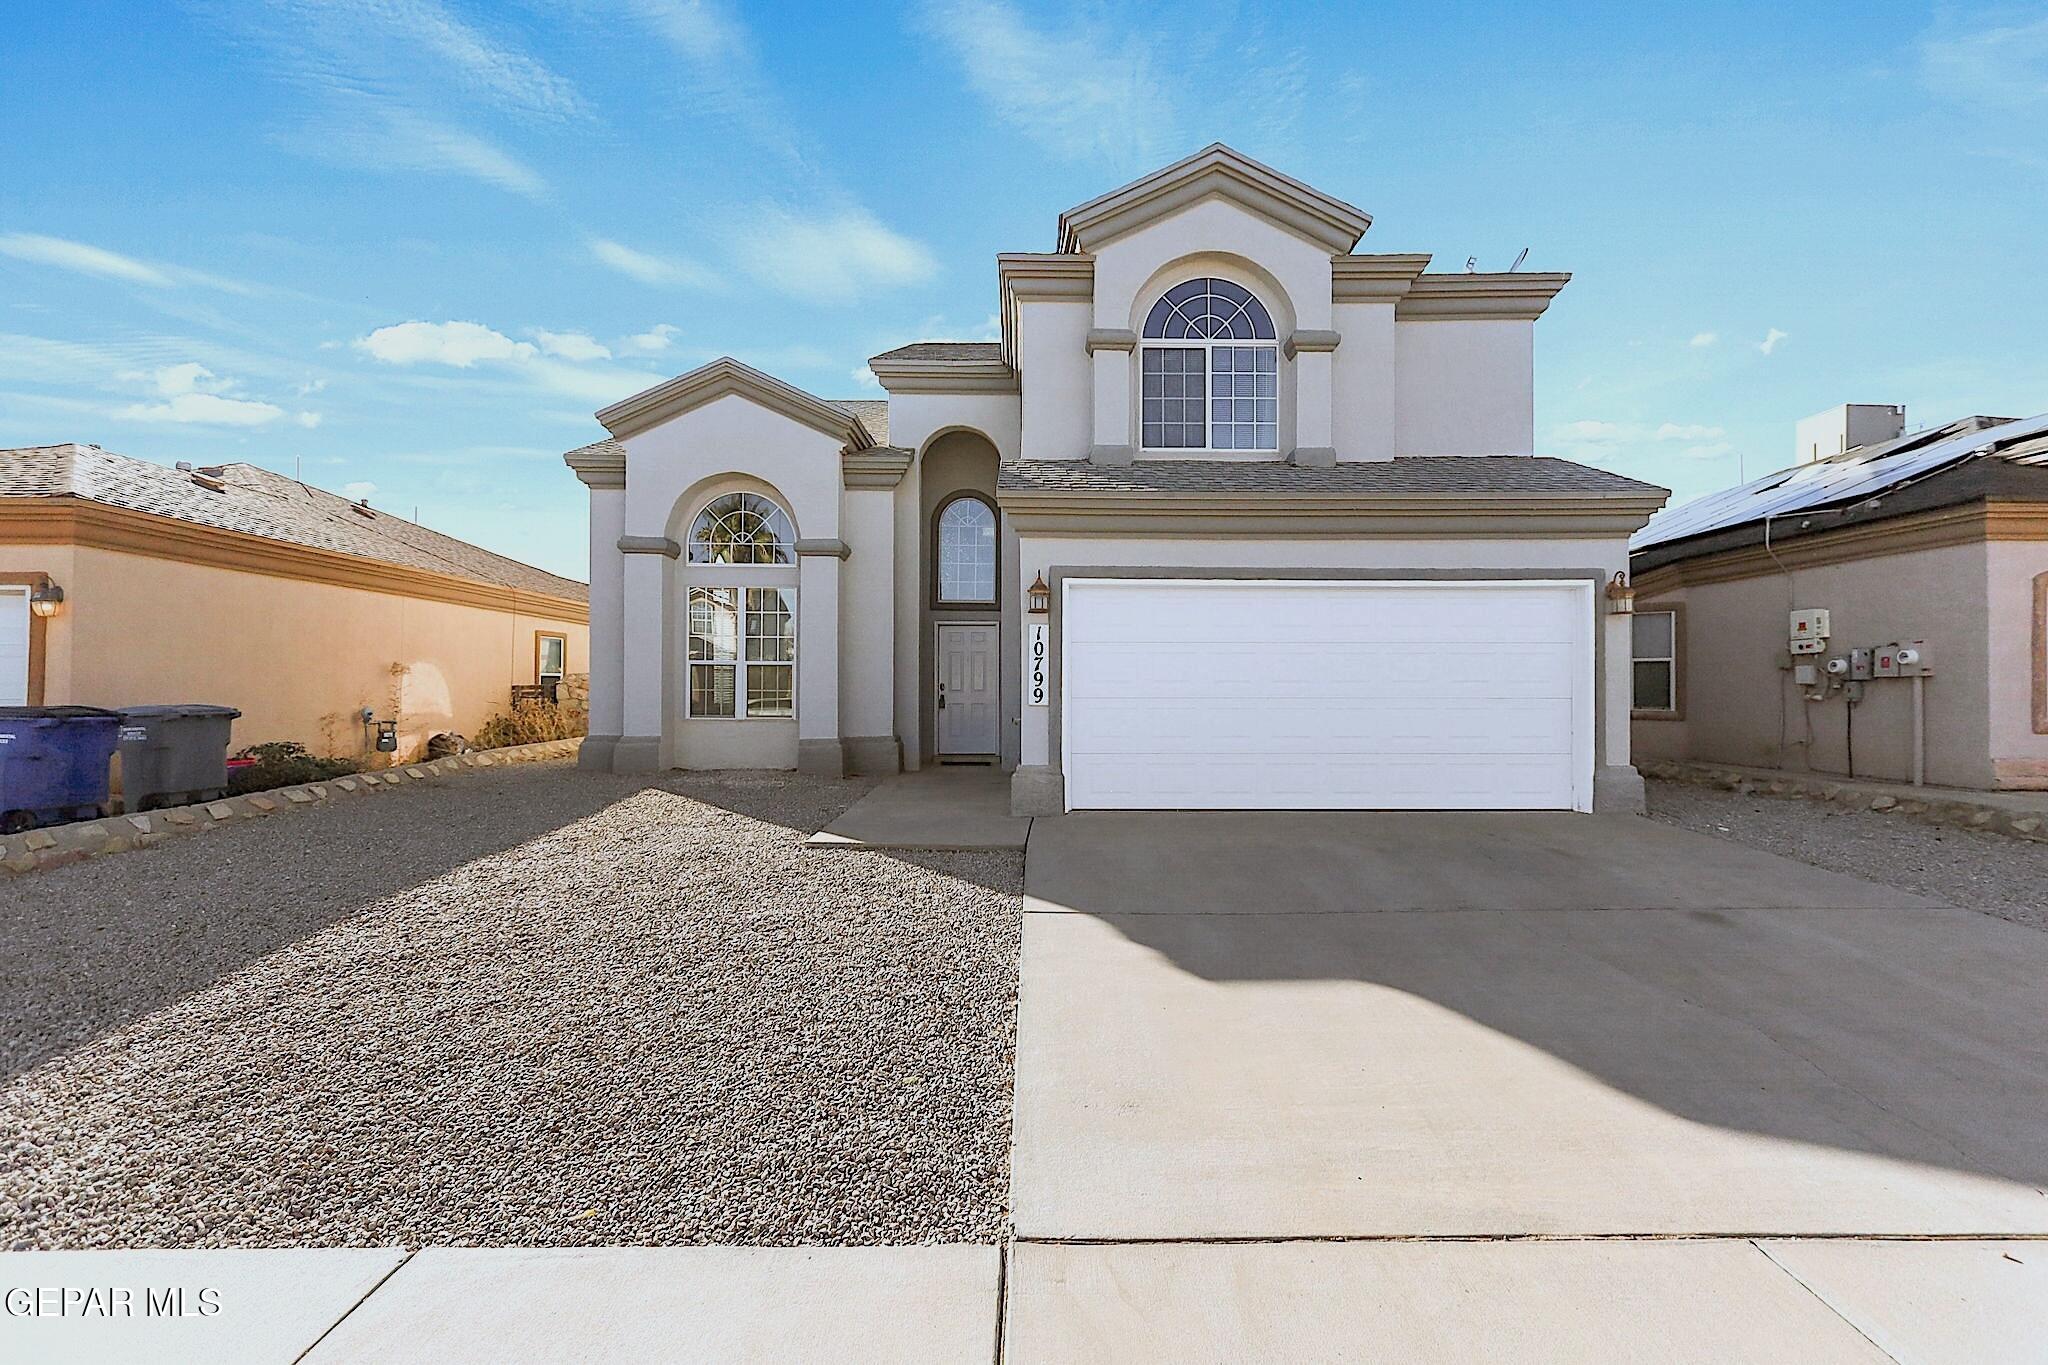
(300,660)
(1742,707)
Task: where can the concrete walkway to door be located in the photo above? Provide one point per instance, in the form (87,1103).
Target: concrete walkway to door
(964,806)
(1405,1032)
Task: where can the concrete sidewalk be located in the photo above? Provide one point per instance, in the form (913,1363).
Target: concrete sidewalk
(446,1306)
(939,808)
(1704,1300)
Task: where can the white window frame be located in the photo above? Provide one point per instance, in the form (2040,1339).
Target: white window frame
(540,673)
(1671,694)
(1207,347)
(739,663)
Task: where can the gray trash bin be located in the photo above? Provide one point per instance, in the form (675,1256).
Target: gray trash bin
(174,754)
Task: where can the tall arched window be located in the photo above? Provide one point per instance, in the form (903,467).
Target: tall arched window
(1210,371)
(743,628)
(965,534)
(742,528)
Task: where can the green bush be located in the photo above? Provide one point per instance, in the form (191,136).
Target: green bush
(528,722)
(285,763)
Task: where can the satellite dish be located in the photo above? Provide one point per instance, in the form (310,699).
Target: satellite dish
(1518,261)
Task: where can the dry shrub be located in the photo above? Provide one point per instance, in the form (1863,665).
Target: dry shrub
(529,722)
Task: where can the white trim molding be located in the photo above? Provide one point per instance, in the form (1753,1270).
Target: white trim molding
(651,407)
(1215,172)
(1515,297)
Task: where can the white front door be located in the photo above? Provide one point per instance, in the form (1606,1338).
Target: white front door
(967,702)
(13,646)
(1276,695)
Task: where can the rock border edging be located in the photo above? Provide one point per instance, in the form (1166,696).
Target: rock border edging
(58,845)
(1943,809)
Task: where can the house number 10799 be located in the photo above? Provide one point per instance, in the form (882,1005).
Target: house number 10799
(1034,664)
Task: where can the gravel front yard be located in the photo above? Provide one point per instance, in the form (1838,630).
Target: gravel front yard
(1995,873)
(525,1007)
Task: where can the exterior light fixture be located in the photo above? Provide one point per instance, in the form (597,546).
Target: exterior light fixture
(46,599)
(1040,595)
(1621,598)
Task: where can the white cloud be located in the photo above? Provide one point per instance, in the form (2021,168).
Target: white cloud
(1587,430)
(830,259)
(1076,90)
(461,344)
(2004,66)
(209,409)
(654,340)
(359,490)
(1772,340)
(864,379)
(725,81)
(470,345)
(79,257)
(308,420)
(86,259)
(1673,431)
(377,136)
(648,268)
(1703,339)
(571,345)
(1711,451)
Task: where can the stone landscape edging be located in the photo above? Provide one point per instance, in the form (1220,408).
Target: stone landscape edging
(57,845)
(1942,806)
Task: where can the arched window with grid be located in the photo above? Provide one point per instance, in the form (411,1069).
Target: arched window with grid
(1209,370)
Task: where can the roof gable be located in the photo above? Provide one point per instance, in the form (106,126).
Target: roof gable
(706,383)
(1214,172)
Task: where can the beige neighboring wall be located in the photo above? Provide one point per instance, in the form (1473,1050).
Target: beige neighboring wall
(299,659)
(1737,698)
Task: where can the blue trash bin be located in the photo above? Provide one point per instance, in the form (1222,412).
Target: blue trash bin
(53,764)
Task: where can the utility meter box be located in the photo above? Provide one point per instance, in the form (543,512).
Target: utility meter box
(1809,631)
(1859,665)
(1912,661)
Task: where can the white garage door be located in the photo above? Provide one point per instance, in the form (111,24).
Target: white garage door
(1278,695)
(13,646)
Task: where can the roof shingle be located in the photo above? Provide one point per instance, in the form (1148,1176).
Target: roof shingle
(256,502)
(1409,475)
(946,350)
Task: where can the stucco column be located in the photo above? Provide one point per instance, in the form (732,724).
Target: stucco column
(1314,393)
(1109,353)
(648,563)
(607,628)
(867,647)
(1037,787)
(818,749)
(1617,786)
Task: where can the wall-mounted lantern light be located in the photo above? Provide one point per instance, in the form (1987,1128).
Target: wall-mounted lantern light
(46,599)
(1621,598)
(1040,595)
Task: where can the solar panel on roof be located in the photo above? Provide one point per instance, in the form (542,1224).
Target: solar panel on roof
(1827,483)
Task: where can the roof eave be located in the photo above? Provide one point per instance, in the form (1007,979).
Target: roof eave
(651,407)
(1215,171)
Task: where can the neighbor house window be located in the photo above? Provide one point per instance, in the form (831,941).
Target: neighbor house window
(1656,661)
(742,528)
(1209,371)
(742,653)
(965,531)
(550,659)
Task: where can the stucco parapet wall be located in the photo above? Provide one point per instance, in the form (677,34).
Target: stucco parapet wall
(707,383)
(93,525)
(878,467)
(650,545)
(58,845)
(1355,279)
(2023,815)
(1311,341)
(1111,339)
(1215,172)
(1111,455)
(944,376)
(1513,297)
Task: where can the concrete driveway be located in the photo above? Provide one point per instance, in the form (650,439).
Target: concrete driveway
(1475,1026)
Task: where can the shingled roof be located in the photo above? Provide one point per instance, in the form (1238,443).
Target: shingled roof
(256,502)
(946,350)
(1409,475)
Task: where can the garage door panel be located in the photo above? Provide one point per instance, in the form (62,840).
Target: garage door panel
(1304,695)
(14,627)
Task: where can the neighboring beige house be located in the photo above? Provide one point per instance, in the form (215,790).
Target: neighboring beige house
(1295,550)
(1935,541)
(233,585)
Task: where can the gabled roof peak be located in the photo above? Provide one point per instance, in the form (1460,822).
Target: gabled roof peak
(725,375)
(1217,171)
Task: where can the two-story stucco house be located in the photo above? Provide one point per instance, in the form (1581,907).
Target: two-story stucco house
(1293,546)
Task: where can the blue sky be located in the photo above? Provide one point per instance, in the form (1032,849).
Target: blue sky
(408,246)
